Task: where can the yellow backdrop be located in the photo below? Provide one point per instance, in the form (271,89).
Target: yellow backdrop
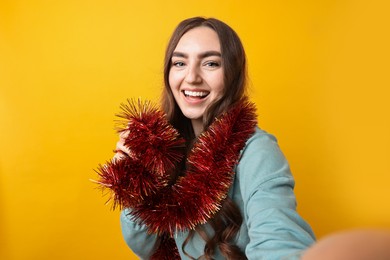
(319,75)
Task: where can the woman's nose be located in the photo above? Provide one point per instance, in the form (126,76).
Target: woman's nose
(193,75)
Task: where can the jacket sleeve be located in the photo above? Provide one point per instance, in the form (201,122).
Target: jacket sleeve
(275,229)
(136,236)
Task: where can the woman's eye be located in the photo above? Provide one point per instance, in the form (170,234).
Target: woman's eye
(178,64)
(212,64)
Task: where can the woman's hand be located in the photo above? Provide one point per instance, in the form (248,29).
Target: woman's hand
(121,151)
(360,244)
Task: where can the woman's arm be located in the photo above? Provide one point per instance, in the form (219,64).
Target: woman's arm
(136,236)
(275,229)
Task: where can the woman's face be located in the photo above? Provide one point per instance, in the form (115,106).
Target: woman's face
(196,75)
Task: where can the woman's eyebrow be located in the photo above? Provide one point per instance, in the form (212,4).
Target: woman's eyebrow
(179,54)
(200,55)
(209,53)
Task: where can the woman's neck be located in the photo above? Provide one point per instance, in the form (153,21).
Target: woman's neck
(197,125)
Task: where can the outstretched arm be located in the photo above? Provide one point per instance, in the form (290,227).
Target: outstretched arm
(276,231)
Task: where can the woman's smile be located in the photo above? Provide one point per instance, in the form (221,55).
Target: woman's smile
(199,94)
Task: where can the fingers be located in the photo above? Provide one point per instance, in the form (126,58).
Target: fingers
(123,135)
(117,157)
(121,151)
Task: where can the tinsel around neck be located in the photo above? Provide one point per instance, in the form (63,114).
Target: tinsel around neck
(142,181)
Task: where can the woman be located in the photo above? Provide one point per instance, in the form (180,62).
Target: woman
(207,182)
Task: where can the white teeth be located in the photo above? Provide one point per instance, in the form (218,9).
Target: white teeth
(195,93)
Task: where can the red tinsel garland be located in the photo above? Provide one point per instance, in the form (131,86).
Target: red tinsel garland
(142,180)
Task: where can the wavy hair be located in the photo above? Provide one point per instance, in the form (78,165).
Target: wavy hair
(226,223)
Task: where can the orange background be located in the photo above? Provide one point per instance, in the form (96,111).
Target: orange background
(319,75)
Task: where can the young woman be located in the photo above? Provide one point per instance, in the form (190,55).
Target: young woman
(201,180)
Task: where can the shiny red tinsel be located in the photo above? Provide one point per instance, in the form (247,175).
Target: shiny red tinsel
(141,181)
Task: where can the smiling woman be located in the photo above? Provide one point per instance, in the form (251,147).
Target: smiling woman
(200,178)
(196,77)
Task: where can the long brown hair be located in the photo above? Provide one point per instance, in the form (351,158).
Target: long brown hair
(226,223)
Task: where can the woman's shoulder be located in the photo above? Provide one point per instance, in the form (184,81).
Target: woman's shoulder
(262,159)
(261,133)
(261,142)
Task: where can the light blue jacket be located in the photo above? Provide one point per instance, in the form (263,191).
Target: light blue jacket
(263,190)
